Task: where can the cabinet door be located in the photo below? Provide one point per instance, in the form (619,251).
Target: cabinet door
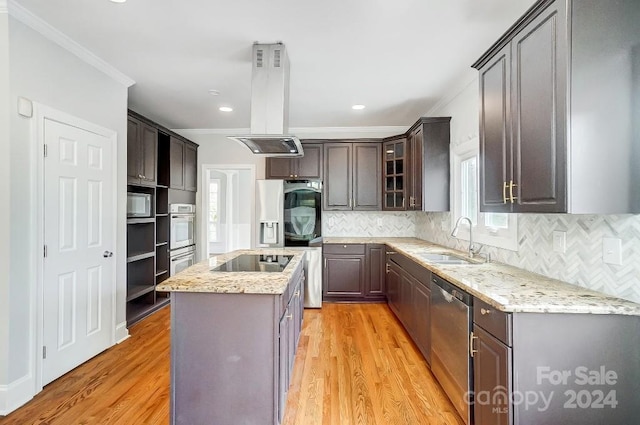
(149,159)
(134,151)
(283,363)
(492,376)
(538,72)
(422,318)
(416,152)
(176,164)
(190,167)
(279,168)
(495,138)
(394,184)
(374,282)
(367,177)
(406,302)
(338,171)
(344,276)
(310,165)
(393,287)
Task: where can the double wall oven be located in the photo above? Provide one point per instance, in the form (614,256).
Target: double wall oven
(182,248)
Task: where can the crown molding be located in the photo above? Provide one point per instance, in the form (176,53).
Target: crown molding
(46,30)
(316,132)
(455,91)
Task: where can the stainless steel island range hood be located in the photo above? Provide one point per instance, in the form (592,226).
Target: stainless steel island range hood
(270,104)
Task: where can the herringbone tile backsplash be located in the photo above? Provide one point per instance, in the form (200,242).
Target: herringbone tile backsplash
(581,264)
(368,224)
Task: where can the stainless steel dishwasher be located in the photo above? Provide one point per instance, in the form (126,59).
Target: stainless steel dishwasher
(451,318)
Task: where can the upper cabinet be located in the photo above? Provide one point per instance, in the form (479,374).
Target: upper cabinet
(353,176)
(142,144)
(416,167)
(395,159)
(183,164)
(557,126)
(308,166)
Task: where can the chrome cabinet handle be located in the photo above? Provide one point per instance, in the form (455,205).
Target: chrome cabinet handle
(391,252)
(107,254)
(484,311)
(472,352)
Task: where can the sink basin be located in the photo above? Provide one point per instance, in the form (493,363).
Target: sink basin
(445,259)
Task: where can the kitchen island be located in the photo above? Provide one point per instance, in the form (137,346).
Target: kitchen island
(235,324)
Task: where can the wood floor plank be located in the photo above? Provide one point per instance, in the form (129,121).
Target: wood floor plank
(355,366)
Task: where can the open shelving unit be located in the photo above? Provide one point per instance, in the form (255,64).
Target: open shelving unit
(148,244)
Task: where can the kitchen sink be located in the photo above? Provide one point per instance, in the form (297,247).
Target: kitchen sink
(445,259)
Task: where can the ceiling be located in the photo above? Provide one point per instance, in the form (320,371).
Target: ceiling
(397,57)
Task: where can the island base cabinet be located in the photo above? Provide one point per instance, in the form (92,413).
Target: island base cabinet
(231,356)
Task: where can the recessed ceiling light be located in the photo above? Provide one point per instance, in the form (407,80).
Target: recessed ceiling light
(225,109)
(214,92)
(118,1)
(358,107)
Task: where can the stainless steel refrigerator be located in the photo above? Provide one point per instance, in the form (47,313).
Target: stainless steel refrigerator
(289,214)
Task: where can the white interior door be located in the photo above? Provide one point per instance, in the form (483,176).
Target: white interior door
(78,234)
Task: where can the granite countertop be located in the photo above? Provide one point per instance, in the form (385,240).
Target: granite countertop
(505,287)
(200,277)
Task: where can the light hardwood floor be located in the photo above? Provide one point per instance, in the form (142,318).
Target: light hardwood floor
(355,365)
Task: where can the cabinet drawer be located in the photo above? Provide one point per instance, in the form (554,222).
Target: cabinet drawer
(347,249)
(494,321)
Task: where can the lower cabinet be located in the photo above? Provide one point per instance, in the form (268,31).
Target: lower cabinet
(421,295)
(409,297)
(353,272)
(491,370)
(540,368)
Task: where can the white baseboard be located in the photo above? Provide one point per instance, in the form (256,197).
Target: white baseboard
(16,394)
(122,333)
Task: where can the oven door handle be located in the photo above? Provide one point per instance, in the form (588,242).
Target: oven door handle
(182,257)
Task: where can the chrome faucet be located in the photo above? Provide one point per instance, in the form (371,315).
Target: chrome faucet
(454,232)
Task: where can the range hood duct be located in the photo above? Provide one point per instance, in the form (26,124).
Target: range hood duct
(270,104)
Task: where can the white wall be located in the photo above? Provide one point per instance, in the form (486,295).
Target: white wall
(216,149)
(48,74)
(5,165)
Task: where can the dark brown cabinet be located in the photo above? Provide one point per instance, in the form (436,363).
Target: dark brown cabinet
(354,272)
(142,144)
(344,271)
(352,176)
(190,167)
(307,167)
(183,165)
(155,156)
(422,316)
(409,297)
(393,287)
(394,166)
(375,274)
(416,167)
(523,117)
(491,370)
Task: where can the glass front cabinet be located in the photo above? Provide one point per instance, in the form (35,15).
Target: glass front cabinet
(395,155)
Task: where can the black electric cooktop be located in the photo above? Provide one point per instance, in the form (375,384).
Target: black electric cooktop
(255,263)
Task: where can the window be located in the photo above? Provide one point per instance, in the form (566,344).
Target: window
(214,217)
(495,229)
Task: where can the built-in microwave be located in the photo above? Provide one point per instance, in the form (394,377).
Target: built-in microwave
(139,205)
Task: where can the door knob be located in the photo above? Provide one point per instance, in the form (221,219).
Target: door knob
(107,254)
